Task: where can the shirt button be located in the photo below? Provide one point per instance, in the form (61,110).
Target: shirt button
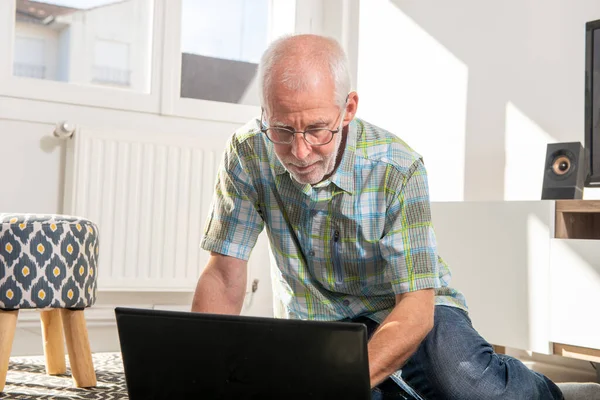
(346,303)
(311,253)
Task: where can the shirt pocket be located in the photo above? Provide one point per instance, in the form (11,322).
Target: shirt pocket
(356,262)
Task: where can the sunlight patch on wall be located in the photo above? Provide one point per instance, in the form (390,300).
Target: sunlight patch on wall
(525,152)
(538,277)
(411,85)
(574,284)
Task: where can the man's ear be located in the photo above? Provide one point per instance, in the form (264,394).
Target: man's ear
(351,107)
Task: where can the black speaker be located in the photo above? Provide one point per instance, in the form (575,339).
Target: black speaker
(564,171)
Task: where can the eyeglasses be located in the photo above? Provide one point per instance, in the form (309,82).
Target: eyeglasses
(313,136)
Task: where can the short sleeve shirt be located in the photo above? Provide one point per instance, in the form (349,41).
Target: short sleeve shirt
(343,247)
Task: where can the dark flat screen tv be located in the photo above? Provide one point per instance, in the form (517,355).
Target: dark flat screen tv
(592,101)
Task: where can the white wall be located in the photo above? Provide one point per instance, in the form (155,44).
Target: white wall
(477,87)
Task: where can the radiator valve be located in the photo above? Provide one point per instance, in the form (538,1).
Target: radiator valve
(64,130)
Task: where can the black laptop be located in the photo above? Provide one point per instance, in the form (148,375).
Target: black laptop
(184,355)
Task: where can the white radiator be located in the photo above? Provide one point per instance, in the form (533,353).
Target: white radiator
(150,195)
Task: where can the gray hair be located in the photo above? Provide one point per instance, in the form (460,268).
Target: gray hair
(331,54)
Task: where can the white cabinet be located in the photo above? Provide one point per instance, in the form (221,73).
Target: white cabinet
(525,288)
(575,292)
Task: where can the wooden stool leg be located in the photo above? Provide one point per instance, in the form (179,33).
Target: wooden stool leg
(78,345)
(8,325)
(54,344)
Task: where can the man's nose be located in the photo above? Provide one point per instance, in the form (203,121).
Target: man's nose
(300,148)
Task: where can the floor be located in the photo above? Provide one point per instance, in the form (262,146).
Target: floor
(27,379)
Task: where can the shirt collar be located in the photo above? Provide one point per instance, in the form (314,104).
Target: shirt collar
(277,166)
(343,176)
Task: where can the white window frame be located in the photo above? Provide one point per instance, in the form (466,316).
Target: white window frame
(64,92)
(173,104)
(342,23)
(164,97)
(334,18)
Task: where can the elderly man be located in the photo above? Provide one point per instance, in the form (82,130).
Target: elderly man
(346,207)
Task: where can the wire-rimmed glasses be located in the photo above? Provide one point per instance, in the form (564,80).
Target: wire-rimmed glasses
(313,136)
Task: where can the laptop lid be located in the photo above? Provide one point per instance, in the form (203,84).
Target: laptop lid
(173,354)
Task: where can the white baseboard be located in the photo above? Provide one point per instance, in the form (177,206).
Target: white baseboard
(94,316)
(101,326)
(102,315)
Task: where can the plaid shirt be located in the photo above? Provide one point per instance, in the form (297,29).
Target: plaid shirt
(344,247)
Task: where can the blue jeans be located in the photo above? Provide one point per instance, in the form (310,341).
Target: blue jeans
(455,362)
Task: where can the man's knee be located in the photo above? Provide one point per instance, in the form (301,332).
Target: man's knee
(467,380)
(504,379)
(456,362)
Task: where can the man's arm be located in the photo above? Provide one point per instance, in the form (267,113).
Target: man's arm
(222,286)
(409,250)
(400,334)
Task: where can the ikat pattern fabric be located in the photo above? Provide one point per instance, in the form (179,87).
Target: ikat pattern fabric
(47,261)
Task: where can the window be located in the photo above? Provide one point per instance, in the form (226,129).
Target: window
(99,42)
(204,53)
(111,63)
(30,59)
(221,45)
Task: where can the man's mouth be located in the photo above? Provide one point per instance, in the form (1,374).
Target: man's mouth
(303,169)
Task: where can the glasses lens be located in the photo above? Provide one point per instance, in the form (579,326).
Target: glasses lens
(280,135)
(318,136)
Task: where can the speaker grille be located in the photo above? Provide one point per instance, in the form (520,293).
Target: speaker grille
(564,171)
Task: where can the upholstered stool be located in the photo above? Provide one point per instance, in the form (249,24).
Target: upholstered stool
(48,262)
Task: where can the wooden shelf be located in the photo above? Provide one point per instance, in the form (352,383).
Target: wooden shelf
(581,353)
(577,219)
(578,206)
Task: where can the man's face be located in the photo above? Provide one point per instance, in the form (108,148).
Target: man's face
(313,108)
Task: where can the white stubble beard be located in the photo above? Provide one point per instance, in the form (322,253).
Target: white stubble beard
(326,168)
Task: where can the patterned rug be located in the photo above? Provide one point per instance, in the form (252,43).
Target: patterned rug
(27,379)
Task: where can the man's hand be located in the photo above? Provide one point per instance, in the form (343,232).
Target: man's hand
(400,334)
(222,286)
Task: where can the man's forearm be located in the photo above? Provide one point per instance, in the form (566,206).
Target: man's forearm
(400,334)
(217,293)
